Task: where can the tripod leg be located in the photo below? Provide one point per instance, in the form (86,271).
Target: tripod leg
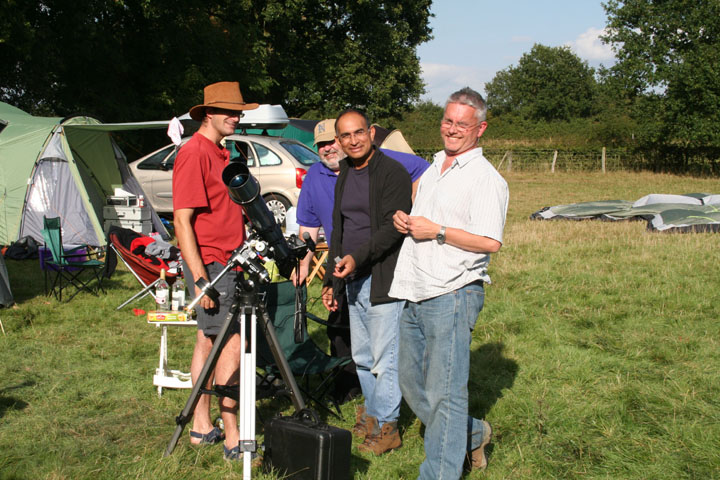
(246,411)
(202,380)
(285,372)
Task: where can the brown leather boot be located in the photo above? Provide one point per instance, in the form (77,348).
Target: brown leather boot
(360,427)
(477,459)
(381,440)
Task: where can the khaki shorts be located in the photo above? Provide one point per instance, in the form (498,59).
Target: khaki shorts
(210,322)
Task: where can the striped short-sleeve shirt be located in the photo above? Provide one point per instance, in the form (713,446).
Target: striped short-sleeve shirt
(470,195)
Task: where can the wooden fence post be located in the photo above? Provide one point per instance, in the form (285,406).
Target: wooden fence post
(552,169)
(603,160)
(503,159)
(509,168)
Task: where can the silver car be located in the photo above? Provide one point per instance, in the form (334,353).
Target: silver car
(279,164)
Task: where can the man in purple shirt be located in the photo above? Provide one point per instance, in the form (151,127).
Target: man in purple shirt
(314,210)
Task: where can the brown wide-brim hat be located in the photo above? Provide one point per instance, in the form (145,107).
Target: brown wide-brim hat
(221,95)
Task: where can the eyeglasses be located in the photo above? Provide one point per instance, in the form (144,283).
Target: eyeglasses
(346,137)
(459,126)
(229,113)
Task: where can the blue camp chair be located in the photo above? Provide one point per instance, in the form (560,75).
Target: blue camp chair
(72,267)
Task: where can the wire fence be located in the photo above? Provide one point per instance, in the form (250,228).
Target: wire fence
(552,160)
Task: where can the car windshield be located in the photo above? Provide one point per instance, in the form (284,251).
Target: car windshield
(301,153)
(153,162)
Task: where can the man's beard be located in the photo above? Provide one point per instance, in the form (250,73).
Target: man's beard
(335,163)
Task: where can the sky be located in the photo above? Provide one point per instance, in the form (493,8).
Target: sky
(474,39)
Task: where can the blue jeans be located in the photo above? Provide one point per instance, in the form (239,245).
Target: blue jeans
(434,366)
(374,343)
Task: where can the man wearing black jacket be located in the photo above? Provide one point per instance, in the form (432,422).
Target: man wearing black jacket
(370,188)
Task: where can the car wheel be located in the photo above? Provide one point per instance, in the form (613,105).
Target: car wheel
(278,206)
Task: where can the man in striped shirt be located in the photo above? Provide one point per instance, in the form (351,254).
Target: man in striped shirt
(456,222)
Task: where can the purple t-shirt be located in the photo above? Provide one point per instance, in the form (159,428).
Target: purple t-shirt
(415,165)
(315,204)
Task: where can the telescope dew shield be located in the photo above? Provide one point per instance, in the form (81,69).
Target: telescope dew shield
(244,190)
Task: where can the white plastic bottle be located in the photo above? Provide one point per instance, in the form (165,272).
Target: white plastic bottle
(162,292)
(178,295)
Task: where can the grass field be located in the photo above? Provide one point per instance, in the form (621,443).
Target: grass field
(597,357)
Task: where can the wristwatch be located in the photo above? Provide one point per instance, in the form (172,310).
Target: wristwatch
(440,237)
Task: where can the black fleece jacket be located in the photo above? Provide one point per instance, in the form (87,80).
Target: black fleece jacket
(390,191)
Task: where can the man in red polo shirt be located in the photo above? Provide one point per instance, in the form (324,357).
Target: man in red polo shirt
(209,226)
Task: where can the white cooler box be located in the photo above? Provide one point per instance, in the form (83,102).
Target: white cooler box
(122,212)
(133,218)
(140,227)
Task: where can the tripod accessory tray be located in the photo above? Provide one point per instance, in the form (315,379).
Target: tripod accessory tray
(165,377)
(302,447)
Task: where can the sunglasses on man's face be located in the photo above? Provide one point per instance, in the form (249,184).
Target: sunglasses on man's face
(227,113)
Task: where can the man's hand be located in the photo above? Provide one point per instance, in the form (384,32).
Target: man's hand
(307,259)
(205,302)
(401,222)
(328,299)
(302,275)
(420,228)
(344,267)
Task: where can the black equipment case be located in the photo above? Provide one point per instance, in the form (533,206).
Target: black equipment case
(301,447)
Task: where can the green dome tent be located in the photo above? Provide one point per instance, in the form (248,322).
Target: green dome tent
(63,168)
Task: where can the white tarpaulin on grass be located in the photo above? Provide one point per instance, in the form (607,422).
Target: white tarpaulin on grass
(692,212)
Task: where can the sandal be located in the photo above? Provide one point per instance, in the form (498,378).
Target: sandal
(235,455)
(211,438)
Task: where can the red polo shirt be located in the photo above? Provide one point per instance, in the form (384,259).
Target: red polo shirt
(197,183)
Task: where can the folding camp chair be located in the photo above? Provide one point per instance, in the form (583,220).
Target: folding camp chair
(69,266)
(314,369)
(318,262)
(145,268)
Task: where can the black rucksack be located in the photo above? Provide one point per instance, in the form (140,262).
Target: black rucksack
(25,247)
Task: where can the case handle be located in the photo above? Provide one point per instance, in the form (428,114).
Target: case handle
(308,414)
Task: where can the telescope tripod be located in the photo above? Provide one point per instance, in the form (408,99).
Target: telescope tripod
(247,308)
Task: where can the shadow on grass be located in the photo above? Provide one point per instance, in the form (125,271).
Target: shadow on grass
(358,465)
(13,403)
(490,374)
(27,280)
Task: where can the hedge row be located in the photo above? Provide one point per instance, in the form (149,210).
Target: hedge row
(703,161)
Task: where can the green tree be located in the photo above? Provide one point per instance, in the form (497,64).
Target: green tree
(549,83)
(668,53)
(121,60)
(138,59)
(330,55)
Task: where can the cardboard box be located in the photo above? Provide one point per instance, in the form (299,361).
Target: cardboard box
(167,316)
